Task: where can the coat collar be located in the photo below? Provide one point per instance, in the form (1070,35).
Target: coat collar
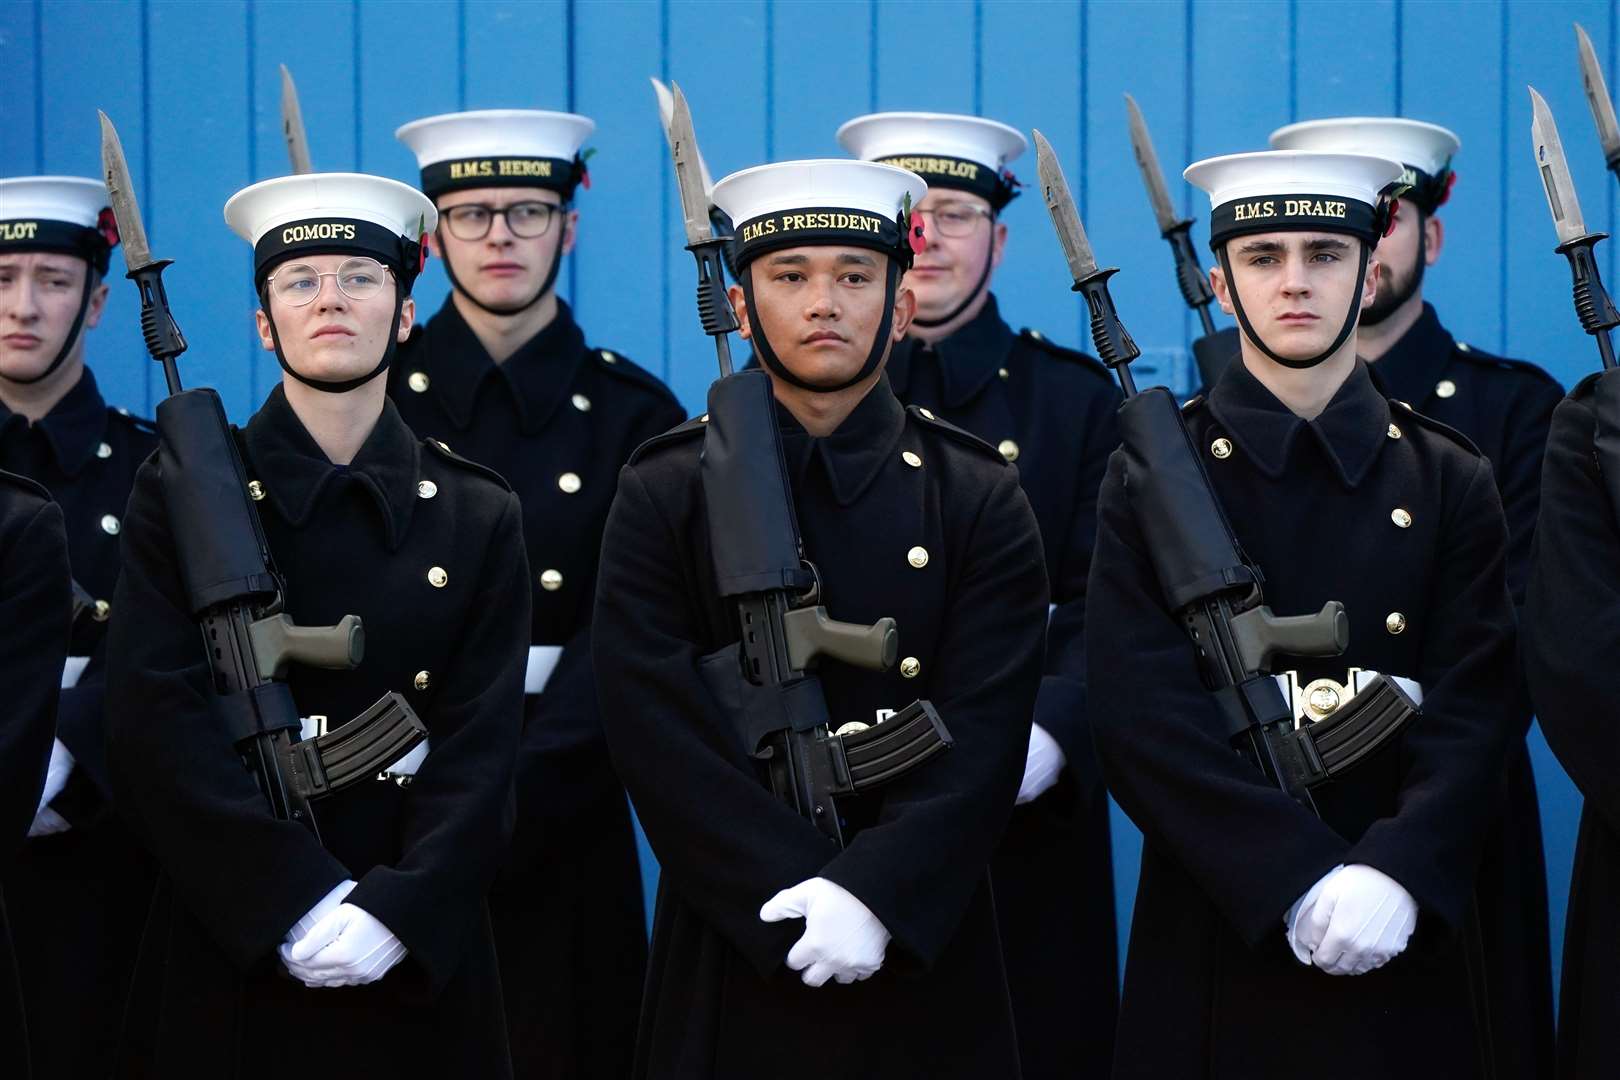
(536,378)
(1412,367)
(968,359)
(73,429)
(852,456)
(1350,431)
(285,458)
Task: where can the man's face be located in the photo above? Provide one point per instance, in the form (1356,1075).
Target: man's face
(1404,253)
(820,308)
(1296,287)
(39,298)
(333,337)
(500,268)
(944,276)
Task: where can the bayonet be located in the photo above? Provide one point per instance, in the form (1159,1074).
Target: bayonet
(1190,278)
(1113,342)
(1597,97)
(1597,313)
(714,308)
(292,125)
(666,114)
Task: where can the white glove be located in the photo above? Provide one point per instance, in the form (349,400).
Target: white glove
(842,939)
(46,820)
(1360,920)
(326,905)
(1042,766)
(1291,918)
(349,947)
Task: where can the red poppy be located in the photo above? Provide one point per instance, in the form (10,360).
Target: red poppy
(1394,214)
(1445,196)
(107,226)
(914,234)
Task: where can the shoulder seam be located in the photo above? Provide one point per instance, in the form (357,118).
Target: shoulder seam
(454,458)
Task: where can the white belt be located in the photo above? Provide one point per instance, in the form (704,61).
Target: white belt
(73,670)
(1295,694)
(542,662)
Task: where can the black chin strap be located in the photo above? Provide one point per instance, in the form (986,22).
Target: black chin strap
(341,386)
(880,342)
(69,341)
(1344,330)
(989,255)
(545,286)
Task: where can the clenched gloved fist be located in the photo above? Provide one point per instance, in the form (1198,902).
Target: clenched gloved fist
(347,947)
(1355,920)
(842,939)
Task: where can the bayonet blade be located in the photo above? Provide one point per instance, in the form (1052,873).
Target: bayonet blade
(666,112)
(1065,217)
(688,170)
(1554,170)
(1152,175)
(1597,96)
(292,125)
(121,196)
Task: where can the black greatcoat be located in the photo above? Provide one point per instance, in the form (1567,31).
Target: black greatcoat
(570,925)
(210,995)
(1051,412)
(34,603)
(720,1001)
(82,894)
(1225,852)
(1504,407)
(1571,638)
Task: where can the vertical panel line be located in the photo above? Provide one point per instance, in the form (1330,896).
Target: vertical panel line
(1607,187)
(978,57)
(1400,57)
(1188,112)
(570,21)
(666,279)
(1502,188)
(253,168)
(770,80)
(461,55)
(1293,60)
(39,86)
(872,56)
(359,91)
(146,159)
(1084,133)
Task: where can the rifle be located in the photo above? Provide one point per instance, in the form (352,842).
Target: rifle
(232,588)
(759,564)
(1210,583)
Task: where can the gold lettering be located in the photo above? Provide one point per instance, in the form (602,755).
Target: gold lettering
(18,230)
(325,230)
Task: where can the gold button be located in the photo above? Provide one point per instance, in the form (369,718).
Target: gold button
(918,557)
(911,459)
(437,577)
(104,451)
(1322,700)
(109,525)
(1401,518)
(1037,335)
(418,381)
(102,611)
(569,482)
(1003,373)
(1395,622)
(1445,388)
(423,679)
(1464,346)
(910,666)
(255,491)
(1394,432)
(1221,448)
(443,445)
(551,580)
(926,413)
(426,489)
(582,403)
(1009,449)
(608,357)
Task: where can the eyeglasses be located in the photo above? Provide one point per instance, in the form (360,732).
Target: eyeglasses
(300,283)
(956,219)
(471,221)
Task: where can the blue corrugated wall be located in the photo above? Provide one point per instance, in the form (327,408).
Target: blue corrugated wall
(192,86)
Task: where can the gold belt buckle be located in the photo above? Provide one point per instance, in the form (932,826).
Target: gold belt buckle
(1320,698)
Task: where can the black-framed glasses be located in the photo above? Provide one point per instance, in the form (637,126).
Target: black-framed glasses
(528,219)
(956,219)
(359,278)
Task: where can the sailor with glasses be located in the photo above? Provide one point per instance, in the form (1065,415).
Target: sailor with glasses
(1050,411)
(503,374)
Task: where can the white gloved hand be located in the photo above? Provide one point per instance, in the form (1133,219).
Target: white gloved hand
(1042,766)
(842,939)
(1361,920)
(324,907)
(1291,917)
(46,820)
(349,947)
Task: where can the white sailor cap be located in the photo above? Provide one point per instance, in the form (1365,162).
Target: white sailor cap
(947,150)
(1276,190)
(333,213)
(825,201)
(66,214)
(1425,149)
(499,148)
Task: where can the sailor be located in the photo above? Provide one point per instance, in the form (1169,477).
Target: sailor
(80,883)
(257,923)
(1267,937)
(35,607)
(775,952)
(1050,411)
(504,375)
(1504,406)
